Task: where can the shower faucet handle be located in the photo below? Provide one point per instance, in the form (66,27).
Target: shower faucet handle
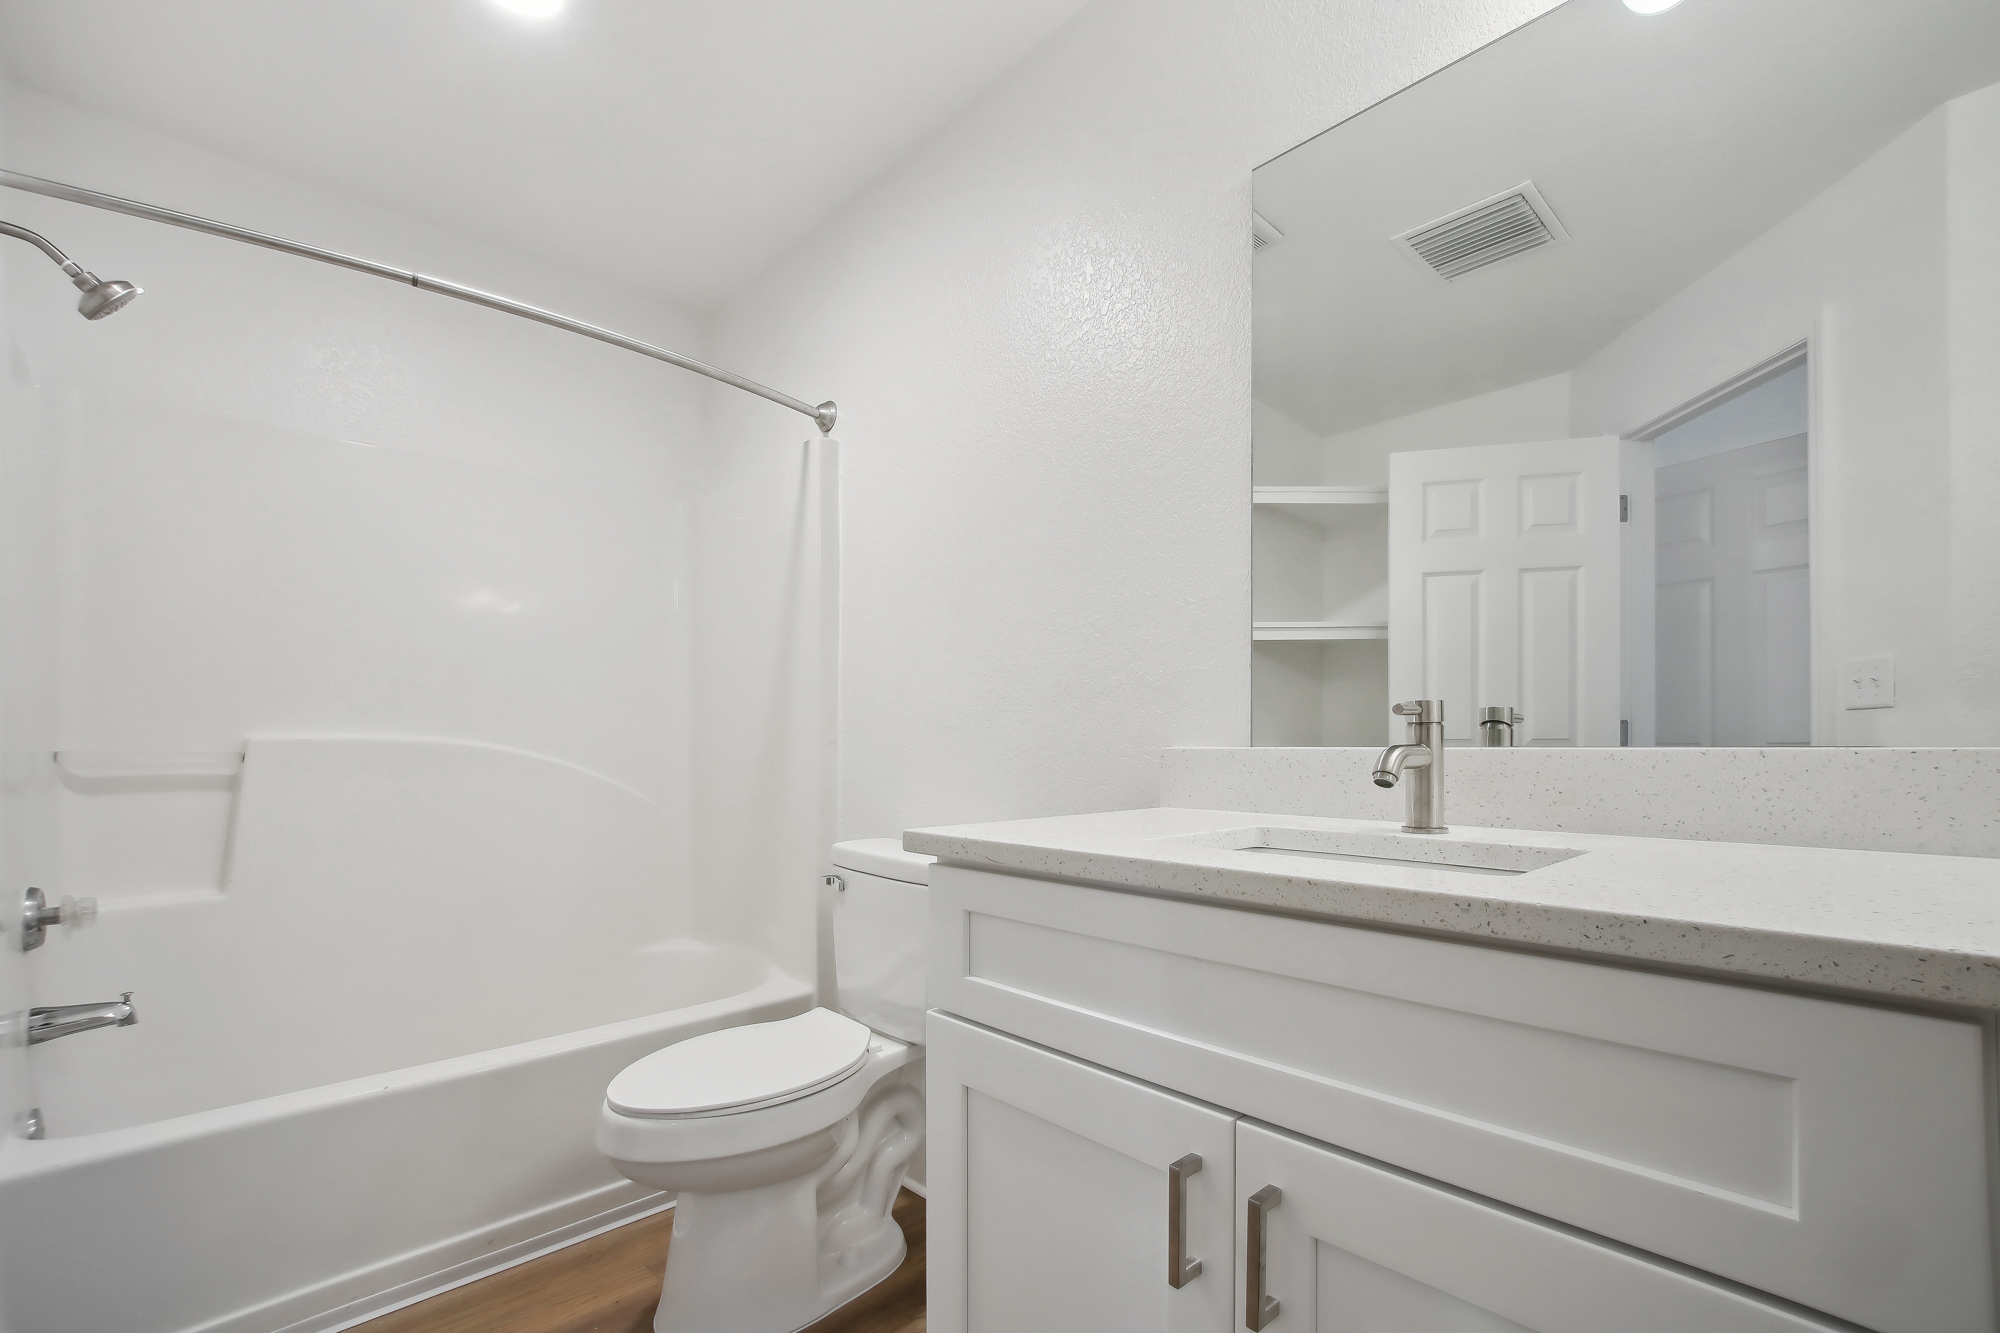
(37,916)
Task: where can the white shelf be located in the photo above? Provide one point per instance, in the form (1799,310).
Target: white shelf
(1293,631)
(1317,495)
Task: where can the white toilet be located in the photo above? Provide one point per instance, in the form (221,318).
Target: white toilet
(786,1141)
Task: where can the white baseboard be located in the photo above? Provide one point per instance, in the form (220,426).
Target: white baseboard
(418,1275)
(423,1288)
(425,1281)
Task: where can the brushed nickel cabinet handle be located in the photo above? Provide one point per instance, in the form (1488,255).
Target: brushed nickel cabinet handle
(1258,1309)
(1181,1269)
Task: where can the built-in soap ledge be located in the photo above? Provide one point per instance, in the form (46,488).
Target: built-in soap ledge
(115,764)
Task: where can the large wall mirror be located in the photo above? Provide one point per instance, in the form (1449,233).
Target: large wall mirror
(1638,377)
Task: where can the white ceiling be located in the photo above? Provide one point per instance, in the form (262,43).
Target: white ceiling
(1664,145)
(679,145)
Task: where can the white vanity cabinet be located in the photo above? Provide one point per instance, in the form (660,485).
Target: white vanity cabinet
(1068,1199)
(1483,1134)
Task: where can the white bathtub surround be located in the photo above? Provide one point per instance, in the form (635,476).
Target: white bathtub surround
(369,880)
(1893,800)
(1882,923)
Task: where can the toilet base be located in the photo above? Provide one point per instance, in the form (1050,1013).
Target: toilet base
(862,1257)
(729,1274)
(777,1257)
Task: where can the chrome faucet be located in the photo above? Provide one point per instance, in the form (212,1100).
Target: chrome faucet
(1422,749)
(61,1020)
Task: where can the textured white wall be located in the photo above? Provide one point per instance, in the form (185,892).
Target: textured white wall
(1039,331)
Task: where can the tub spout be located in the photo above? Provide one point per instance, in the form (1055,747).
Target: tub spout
(61,1020)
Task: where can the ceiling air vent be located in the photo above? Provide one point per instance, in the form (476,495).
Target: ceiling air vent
(1262,233)
(1479,234)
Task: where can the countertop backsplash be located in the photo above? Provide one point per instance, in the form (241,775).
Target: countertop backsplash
(1944,801)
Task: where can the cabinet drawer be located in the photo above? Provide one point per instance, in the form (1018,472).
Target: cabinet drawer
(1352,1248)
(1834,1154)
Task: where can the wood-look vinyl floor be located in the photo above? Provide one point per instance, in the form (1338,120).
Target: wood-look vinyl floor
(611,1284)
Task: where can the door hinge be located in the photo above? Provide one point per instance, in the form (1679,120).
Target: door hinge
(1624,509)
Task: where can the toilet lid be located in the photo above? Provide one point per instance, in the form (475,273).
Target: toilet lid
(760,1064)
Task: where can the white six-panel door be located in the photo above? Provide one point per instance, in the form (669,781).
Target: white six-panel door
(1504,586)
(1050,1194)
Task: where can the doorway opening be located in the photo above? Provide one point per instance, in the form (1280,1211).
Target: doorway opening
(1731,567)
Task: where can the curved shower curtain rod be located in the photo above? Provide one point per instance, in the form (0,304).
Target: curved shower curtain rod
(824,414)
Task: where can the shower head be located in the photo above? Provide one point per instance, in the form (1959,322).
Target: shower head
(101,297)
(104,296)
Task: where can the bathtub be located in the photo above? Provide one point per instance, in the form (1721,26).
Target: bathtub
(314,1210)
(371,1047)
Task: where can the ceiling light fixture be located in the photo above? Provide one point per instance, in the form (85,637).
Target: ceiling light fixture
(532,9)
(1650,6)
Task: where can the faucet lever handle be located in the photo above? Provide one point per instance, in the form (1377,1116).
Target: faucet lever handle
(1421,711)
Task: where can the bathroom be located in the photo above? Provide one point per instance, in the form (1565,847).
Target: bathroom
(532,836)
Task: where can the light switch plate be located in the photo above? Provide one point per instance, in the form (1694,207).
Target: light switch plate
(1869,682)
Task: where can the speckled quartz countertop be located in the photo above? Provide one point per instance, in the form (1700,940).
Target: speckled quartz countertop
(1886,923)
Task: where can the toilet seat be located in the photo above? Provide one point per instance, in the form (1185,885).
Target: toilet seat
(742,1069)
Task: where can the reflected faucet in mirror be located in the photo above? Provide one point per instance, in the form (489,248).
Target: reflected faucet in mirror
(1422,749)
(1496,727)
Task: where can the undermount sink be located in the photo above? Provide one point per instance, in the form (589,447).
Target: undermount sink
(1395,849)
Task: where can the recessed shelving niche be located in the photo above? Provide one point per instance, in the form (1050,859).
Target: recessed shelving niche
(1319,670)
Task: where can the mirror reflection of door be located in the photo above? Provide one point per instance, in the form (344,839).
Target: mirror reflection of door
(1504,574)
(1731,573)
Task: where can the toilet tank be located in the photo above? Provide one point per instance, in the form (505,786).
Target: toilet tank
(879,921)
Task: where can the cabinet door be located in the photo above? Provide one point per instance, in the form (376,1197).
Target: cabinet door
(1351,1247)
(1052,1193)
